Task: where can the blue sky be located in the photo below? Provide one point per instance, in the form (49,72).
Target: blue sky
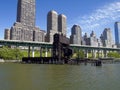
(89,14)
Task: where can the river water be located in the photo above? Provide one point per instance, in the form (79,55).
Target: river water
(59,77)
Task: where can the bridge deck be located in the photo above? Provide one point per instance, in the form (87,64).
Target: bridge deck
(49,45)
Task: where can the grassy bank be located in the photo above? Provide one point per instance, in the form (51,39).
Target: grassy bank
(7,53)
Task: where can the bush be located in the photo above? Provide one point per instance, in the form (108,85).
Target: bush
(114,54)
(7,53)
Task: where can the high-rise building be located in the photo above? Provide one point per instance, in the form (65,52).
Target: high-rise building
(76,35)
(102,40)
(92,34)
(62,26)
(55,24)
(117,34)
(84,39)
(52,19)
(24,28)
(26,12)
(93,39)
(7,34)
(52,25)
(106,38)
(21,32)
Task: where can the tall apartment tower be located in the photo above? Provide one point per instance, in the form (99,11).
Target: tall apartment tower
(24,28)
(52,25)
(107,38)
(76,35)
(117,34)
(93,41)
(62,26)
(55,24)
(7,34)
(26,12)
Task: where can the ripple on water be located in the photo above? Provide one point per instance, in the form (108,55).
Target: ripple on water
(59,77)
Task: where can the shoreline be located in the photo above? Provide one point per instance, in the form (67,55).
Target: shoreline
(10,61)
(74,61)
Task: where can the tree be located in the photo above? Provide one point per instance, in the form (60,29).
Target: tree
(114,54)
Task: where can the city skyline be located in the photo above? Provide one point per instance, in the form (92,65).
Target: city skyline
(94,17)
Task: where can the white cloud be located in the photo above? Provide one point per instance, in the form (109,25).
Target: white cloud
(101,18)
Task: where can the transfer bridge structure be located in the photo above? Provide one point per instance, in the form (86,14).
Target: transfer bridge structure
(32,45)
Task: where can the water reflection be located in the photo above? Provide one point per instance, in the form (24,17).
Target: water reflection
(59,77)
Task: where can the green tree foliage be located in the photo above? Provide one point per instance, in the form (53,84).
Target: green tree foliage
(7,53)
(78,53)
(10,54)
(114,54)
(81,54)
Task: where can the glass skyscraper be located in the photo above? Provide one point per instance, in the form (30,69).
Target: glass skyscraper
(117,33)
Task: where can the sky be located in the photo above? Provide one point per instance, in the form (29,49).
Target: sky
(91,15)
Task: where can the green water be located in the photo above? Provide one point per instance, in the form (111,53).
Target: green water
(59,77)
